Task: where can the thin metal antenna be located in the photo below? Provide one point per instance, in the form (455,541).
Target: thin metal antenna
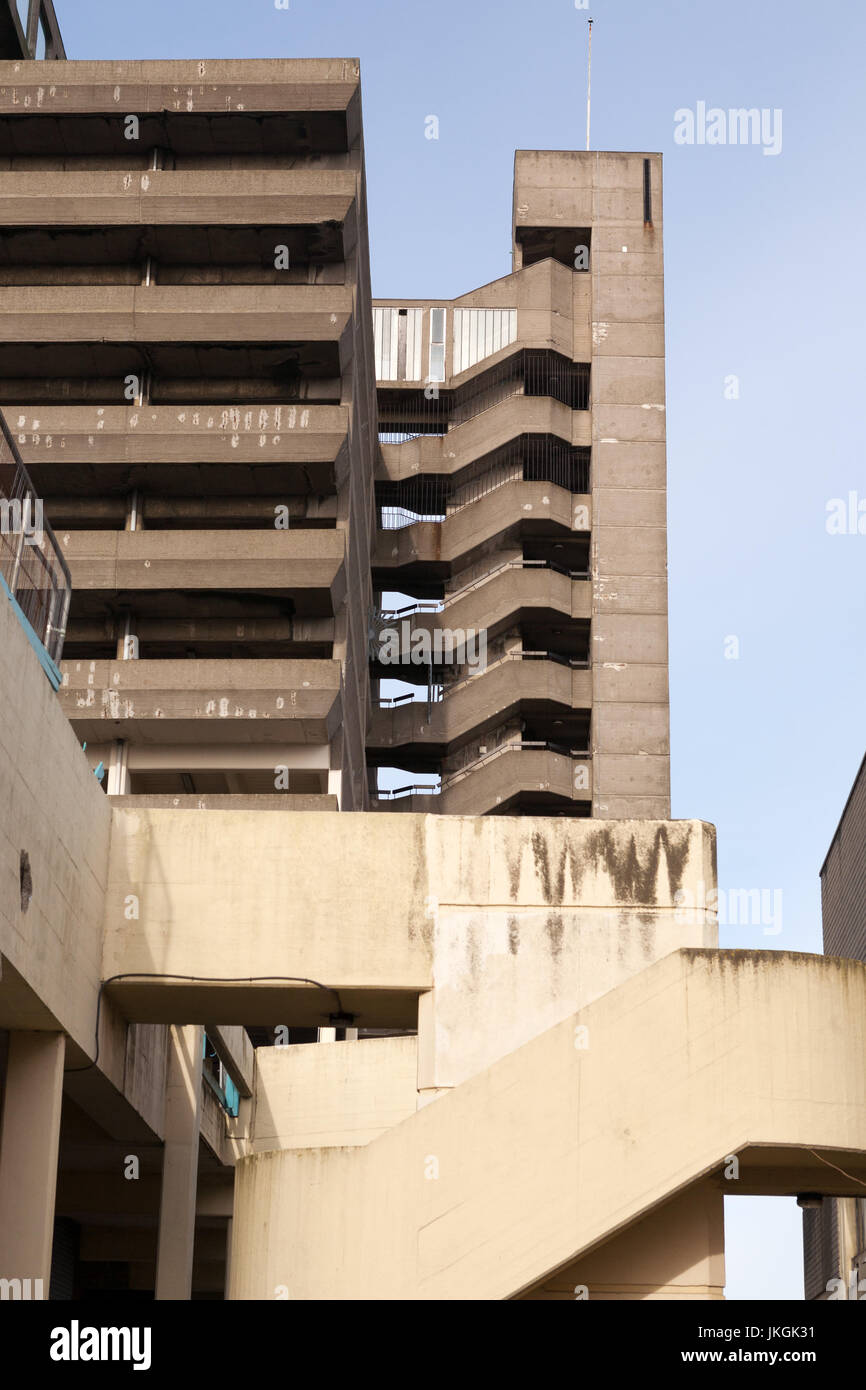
(588,82)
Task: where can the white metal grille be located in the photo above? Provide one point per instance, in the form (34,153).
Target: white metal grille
(397,337)
(478,333)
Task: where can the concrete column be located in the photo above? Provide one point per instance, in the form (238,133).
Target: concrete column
(428,1087)
(179,1162)
(335,785)
(29,1143)
(228,1258)
(118,769)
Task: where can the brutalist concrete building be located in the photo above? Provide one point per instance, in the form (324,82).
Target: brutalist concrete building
(187,367)
(236,1023)
(834,1232)
(521,494)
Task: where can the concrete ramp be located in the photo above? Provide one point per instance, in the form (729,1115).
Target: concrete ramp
(514,1174)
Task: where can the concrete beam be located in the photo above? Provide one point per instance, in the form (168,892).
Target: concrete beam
(175,313)
(161,437)
(186,198)
(171,702)
(559,880)
(275,561)
(218,86)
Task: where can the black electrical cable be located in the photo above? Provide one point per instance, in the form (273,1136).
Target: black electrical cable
(204,980)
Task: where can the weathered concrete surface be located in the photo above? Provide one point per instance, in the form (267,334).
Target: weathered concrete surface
(53,811)
(486,786)
(245,197)
(382,908)
(572,1138)
(455,540)
(183,300)
(484,700)
(264,560)
(228,802)
(122,313)
(606,311)
(32,1100)
(676,1252)
(223,85)
(481,435)
(334,1094)
(227,444)
(172,701)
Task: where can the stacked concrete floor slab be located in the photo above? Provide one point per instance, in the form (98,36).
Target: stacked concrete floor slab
(187,366)
(254,1046)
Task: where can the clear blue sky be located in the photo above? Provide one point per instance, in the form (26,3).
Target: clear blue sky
(764,266)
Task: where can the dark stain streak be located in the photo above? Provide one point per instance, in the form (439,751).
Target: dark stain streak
(513,935)
(542,866)
(514,872)
(555,928)
(634,874)
(419,918)
(473,952)
(552,888)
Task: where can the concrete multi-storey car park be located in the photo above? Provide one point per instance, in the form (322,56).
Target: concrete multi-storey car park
(186,362)
(513,993)
(528,418)
(187,367)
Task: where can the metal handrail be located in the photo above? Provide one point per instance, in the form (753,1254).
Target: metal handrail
(392,793)
(410,413)
(529,459)
(413,789)
(516,746)
(391,701)
(573,662)
(439,605)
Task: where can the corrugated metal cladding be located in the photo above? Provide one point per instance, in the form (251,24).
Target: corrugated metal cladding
(397,338)
(820,1248)
(64,1253)
(480,332)
(843,881)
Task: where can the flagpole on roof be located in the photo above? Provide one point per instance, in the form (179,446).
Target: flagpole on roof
(588,82)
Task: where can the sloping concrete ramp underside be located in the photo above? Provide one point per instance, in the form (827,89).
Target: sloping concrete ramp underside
(488,1191)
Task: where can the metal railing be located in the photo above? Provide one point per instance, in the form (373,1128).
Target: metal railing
(32,566)
(439,605)
(410,414)
(440,692)
(518,746)
(532,458)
